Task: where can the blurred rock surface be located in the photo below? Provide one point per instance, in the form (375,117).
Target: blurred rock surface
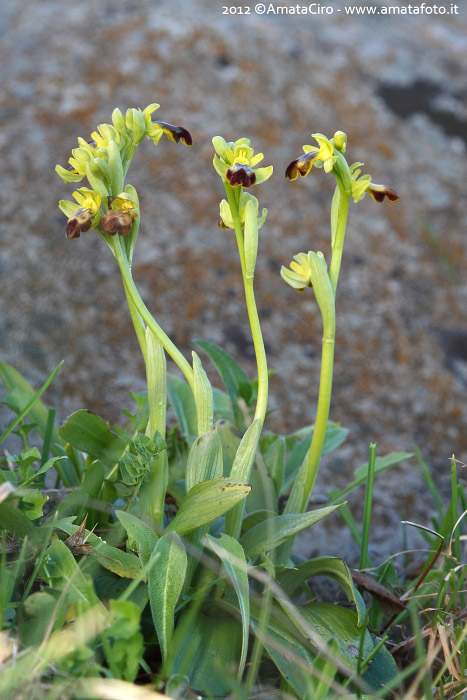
(396,85)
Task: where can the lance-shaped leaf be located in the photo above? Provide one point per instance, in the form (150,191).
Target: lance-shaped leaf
(111,558)
(231,553)
(203,396)
(88,432)
(156,376)
(62,572)
(165,583)
(290,580)
(241,469)
(38,413)
(205,652)
(139,531)
(361,473)
(235,380)
(274,459)
(183,403)
(273,532)
(207,501)
(204,459)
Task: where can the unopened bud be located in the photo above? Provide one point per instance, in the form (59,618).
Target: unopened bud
(340,141)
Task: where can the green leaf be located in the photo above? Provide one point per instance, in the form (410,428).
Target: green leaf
(381,464)
(139,531)
(207,501)
(241,470)
(45,467)
(230,438)
(290,580)
(253,519)
(88,432)
(204,401)
(275,462)
(263,493)
(32,502)
(382,669)
(204,459)
(183,403)
(16,383)
(110,586)
(287,649)
(111,558)
(62,572)
(207,651)
(33,407)
(335,436)
(235,380)
(273,532)
(165,583)
(231,553)
(14,520)
(329,621)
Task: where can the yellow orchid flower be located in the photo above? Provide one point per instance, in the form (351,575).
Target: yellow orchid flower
(84,215)
(235,162)
(362,185)
(324,156)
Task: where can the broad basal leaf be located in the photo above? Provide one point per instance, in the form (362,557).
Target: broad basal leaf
(207,501)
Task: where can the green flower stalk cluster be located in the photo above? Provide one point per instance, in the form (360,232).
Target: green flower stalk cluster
(310,270)
(111,207)
(178,489)
(104,160)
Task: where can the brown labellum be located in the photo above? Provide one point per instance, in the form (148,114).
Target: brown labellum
(380,192)
(241,175)
(300,166)
(176,133)
(81,221)
(117,222)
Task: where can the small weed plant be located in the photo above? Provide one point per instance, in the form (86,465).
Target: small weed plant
(156,559)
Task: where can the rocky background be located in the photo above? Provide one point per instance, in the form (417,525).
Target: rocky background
(396,85)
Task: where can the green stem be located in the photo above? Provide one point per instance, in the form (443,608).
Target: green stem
(368,504)
(147,317)
(138,323)
(322,413)
(260,353)
(338,246)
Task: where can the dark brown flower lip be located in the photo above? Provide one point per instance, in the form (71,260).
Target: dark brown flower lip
(300,166)
(222,225)
(81,221)
(117,222)
(241,175)
(380,192)
(179,133)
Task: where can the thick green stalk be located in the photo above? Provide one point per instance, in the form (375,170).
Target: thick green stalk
(261,362)
(303,486)
(338,246)
(138,323)
(145,314)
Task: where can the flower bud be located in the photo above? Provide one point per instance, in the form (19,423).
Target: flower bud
(340,141)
